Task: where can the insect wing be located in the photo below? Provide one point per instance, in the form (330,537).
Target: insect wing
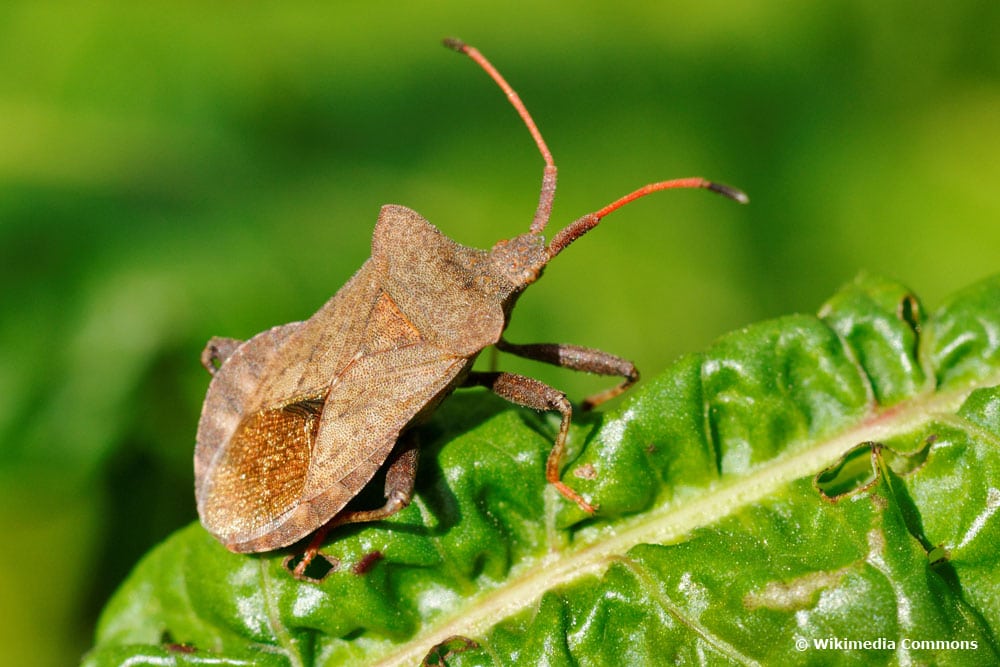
(288,466)
(355,435)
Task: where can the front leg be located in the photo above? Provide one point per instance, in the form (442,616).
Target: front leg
(579,358)
(531,393)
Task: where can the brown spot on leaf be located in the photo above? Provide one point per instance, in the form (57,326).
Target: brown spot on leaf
(439,654)
(367,562)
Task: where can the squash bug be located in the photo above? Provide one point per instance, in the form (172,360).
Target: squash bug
(299,418)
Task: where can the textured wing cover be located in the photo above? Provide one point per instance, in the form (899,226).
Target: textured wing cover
(301,417)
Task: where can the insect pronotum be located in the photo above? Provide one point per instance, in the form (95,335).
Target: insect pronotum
(299,418)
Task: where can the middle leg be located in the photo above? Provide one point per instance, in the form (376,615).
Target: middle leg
(579,358)
(531,393)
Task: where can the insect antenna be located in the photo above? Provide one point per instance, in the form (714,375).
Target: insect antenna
(579,227)
(548,191)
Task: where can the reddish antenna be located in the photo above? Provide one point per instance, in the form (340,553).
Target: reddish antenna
(548,191)
(578,228)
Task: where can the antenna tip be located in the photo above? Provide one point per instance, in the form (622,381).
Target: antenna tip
(735,194)
(454,44)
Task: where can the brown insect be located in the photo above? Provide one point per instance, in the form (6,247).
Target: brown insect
(300,417)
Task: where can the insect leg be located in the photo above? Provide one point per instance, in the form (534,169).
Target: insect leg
(216,351)
(400,476)
(579,358)
(531,393)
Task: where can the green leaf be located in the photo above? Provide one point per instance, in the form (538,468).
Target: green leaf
(823,483)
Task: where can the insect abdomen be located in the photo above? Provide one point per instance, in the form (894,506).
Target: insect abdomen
(262,473)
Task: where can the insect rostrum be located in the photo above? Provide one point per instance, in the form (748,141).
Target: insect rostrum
(299,418)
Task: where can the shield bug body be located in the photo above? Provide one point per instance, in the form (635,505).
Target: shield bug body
(300,417)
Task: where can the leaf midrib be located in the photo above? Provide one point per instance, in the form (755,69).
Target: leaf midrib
(597,547)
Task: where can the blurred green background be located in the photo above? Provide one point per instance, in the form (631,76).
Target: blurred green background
(169,173)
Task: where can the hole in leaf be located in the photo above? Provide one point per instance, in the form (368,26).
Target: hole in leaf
(905,463)
(852,473)
(857,470)
(316,570)
(452,646)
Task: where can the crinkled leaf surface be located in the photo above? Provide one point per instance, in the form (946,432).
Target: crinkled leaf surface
(805,480)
